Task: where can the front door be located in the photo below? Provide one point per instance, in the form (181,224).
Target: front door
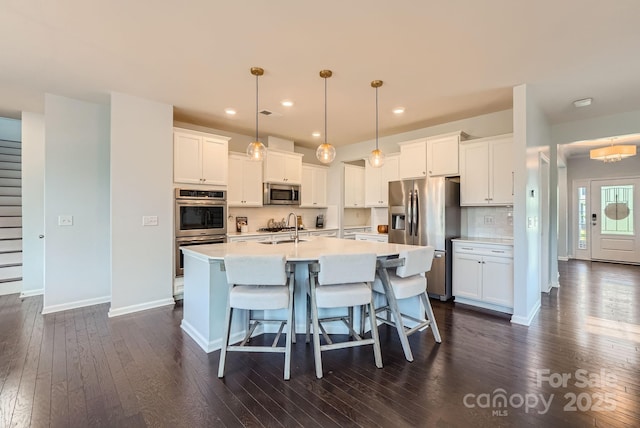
(615,220)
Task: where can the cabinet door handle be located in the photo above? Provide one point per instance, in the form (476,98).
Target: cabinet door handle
(512,182)
(467,248)
(497,251)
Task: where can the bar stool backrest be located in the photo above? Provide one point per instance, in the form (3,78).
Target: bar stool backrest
(346,268)
(256,270)
(416,261)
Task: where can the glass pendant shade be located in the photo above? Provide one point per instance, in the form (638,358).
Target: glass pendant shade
(376,158)
(326,153)
(613,153)
(256,151)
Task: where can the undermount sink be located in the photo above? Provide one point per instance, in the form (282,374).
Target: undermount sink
(283,241)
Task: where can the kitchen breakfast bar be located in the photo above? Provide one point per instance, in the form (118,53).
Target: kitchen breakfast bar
(206,288)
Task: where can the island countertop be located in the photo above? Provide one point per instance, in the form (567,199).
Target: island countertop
(308,249)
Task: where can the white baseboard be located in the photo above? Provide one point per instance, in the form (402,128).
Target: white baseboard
(11,287)
(208,346)
(528,319)
(563,258)
(140,307)
(31,293)
(74,305)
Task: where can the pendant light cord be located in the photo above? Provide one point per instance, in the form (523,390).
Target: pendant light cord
(256,107)
(376,118)
(325,110)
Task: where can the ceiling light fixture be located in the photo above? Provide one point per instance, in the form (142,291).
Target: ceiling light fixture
(256,150)
(613,153)
(287,103)
(583,102)
(398,110)
(376,158)
(316,134)
(325,153)
(230,111)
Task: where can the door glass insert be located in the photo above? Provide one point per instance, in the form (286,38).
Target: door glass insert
(616,212)
(582,218)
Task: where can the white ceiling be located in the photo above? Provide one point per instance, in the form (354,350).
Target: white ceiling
(441,60)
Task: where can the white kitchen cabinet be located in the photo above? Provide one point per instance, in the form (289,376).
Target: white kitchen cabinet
(371,237)
(245,181)
(377,181)
(250,238)
(483,275)
(314,187)
(282,167)
(350,232)
(353,186)
(486,171)
(199,158)
(329,233)
(413,159)
(443,154)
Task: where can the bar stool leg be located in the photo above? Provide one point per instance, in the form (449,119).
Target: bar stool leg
(225,340)
(374,334)
(397,315)
(316,331)
(431,317)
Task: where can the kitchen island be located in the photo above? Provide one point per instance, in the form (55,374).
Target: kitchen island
(206,288)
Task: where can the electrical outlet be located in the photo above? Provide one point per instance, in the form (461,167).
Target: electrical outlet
(149,220)
(65,220)
(489,219)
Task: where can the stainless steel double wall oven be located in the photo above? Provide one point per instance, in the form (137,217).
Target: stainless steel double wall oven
(200,218)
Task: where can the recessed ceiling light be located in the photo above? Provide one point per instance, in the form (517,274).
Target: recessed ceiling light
(316,134)
(583,102)
(230,111)
(398,110)
(287,103)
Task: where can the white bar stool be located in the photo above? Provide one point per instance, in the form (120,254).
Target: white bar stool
(259,283)
(407,281)
(342,280)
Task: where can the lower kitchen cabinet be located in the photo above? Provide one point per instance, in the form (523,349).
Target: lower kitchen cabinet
(483,275)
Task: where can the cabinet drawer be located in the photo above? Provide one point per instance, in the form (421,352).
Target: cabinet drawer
(484,249)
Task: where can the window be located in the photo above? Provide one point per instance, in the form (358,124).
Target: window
(582,218)
(616,210)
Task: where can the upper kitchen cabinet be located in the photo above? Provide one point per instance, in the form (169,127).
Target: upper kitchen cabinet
(443,153)
(245,181)
(199,158)
(353,186)
(314,187)
(486,171)
(282,167)
(413,159)
(377,180)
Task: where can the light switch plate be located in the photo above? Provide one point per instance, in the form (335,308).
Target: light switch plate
(65,220)
(149,220)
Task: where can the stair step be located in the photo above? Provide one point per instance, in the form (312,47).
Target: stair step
(10,211)
(10,273)
(10,151)
(10,232)
(10,222)
(10,144)
(9,245)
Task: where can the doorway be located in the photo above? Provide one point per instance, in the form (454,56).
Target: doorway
(614,220)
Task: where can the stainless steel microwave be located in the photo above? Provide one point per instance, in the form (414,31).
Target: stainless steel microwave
(281,194)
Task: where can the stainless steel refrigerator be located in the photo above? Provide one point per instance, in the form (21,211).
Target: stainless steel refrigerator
(427,212)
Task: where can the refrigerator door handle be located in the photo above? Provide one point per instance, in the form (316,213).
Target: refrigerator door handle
(409,208)
(416,215)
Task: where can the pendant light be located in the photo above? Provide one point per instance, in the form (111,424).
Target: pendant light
(376,158)
(325,153)
(256,150)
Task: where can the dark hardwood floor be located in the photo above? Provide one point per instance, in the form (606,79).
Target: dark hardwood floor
(79,368)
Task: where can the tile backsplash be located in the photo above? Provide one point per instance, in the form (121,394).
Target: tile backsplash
(487,222)
(259,217)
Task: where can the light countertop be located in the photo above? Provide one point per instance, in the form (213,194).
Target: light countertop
(309,249)
(501,241)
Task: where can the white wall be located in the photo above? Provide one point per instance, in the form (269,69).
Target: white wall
(76,183)
(531,135)
(33,153)
(141,185)
(10,129)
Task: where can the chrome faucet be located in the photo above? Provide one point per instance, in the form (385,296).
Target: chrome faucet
(295,223)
